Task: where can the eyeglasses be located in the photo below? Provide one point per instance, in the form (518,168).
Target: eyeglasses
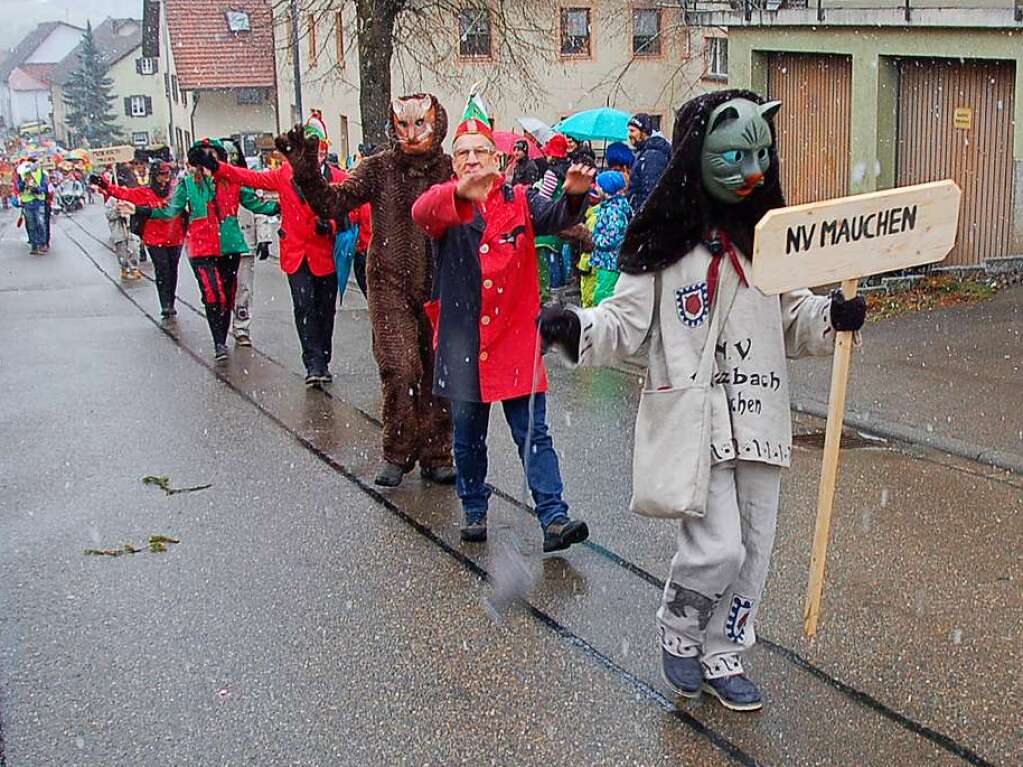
(463,154)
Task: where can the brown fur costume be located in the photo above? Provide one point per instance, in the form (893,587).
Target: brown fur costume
(399,273)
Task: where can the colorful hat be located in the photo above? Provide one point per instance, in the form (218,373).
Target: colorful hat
(315,126)
(611,181)
(475,120)
(556,147)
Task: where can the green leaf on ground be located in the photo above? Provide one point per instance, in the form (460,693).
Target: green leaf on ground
(126,548)
(164,484)
(158,543)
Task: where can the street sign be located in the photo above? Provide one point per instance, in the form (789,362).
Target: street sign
(851,237)
(841,241)
(111,155)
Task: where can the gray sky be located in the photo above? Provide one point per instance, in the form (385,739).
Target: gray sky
(21,15)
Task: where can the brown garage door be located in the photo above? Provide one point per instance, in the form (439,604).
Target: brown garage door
(813,124)
(955,121)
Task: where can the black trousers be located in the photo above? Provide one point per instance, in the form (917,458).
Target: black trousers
(165,262)
(218,279)
(314,299)
(359,267)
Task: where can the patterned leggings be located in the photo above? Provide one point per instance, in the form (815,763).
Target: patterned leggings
(218,280)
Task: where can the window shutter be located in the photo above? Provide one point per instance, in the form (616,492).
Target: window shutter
(127,106)
(156,66)
(138,66)
(149,105)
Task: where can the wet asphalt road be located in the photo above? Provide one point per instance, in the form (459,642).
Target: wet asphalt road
(307,619)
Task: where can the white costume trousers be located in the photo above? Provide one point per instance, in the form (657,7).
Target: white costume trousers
(718,573)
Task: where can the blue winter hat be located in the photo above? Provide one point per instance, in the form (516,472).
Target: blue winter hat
(611,181)
(619,155)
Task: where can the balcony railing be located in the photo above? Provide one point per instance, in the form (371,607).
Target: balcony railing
(907,11)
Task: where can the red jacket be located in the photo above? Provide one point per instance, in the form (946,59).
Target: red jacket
(160,233)
(486,288)
(299,240)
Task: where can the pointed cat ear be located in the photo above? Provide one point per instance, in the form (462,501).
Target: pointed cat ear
(730,113)
(769,110)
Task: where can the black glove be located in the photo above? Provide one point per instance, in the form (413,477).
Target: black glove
(847,314)
(263,250)
(561,327)
(323,227)
(143,210)
(200,158)
(99,181)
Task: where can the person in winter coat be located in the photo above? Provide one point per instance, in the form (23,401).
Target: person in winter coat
(652,154)
(399,273)
(692,239)
(163,238)
(118,214)
(31,185)
(613,216)
(307,250)
(484,310)
(214,239)
(587,272)
(524,170)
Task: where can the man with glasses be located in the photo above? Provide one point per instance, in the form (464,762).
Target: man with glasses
(486,300)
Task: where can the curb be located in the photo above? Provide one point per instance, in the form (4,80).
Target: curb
(1000,459)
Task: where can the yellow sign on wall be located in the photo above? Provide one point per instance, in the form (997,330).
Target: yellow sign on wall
(963,119)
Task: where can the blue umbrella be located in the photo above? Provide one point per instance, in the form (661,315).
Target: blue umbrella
(604,124)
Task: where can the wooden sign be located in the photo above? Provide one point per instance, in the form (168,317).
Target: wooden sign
(851,237)
(111,155)
(840,241)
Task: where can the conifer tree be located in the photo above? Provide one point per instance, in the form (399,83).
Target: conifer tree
(88,98)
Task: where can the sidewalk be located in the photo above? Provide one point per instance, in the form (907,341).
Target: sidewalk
(948,378)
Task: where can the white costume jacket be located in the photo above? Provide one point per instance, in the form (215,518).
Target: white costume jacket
(750,399)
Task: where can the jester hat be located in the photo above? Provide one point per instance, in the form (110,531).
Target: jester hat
(475,120)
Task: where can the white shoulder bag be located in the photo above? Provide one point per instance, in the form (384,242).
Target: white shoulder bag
(671,459)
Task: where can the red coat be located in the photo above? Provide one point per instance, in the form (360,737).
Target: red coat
(160,233)
(487,290)
(299,240)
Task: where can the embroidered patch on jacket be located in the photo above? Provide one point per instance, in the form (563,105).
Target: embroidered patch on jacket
(692,304)
(738,616)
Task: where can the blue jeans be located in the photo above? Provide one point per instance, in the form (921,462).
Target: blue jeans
(35,222)
(543,474)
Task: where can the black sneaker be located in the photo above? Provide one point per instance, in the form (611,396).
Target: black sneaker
(220,352)
(312,380)
(168,313)
(440,475)
(563,532)
(389,475)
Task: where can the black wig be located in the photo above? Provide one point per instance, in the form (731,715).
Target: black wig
(679,214)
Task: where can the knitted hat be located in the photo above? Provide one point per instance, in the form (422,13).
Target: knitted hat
(643,122)
(611,181)
(556,147)
(315,126)
(618,155)
(475,120)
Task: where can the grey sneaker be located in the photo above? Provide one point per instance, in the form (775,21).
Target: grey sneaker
(563,532)
(683,675)
(736,692)
(474,530)
(220,353)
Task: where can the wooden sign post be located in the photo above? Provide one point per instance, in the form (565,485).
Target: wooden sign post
(111,155)
(843,240)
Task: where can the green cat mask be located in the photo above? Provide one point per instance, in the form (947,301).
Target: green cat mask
(736,151)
